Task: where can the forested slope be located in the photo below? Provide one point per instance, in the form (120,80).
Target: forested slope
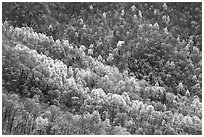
(102,68)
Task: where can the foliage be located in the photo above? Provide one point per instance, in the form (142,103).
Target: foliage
(107,68)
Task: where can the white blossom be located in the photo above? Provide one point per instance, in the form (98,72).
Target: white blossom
(90,51)
(66,42)
(140,13)
(150,108)
(100,58)
(41,123)
(82,48)
(104,15)
(156,25)
(91,7)
(133,7)
(122,12)
(166,30)
(166,19)
(120,44)
(110,57)
(91,46)
(165,6)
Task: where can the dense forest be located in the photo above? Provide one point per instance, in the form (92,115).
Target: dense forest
(101,68)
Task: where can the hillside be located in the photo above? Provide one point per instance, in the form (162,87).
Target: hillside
(102,68)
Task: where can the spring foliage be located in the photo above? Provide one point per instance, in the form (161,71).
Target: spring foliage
(107,72)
